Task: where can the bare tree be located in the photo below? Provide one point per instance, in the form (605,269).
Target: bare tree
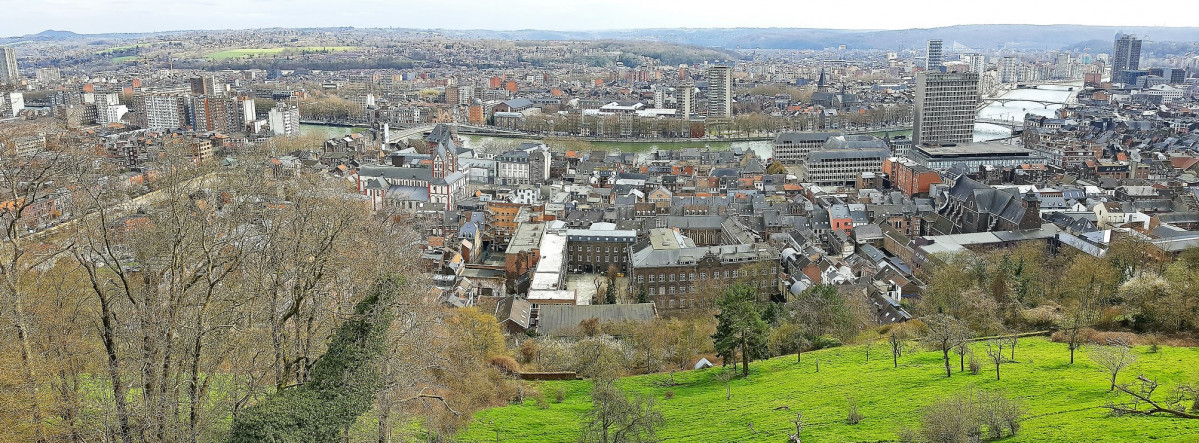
(1011,341)
(897,338)
(962,349)
(616,418)
(799,423)
(1143,403)
(944,333)
(27,182)
(1113,358)
(995,354)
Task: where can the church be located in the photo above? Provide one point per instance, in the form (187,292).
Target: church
(428,182)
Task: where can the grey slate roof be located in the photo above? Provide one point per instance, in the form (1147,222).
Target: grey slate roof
(554,319)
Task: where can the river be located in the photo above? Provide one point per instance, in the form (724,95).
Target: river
(763,148)
(1016,109)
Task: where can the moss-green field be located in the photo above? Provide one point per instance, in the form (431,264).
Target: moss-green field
(254,52)
(1064,402)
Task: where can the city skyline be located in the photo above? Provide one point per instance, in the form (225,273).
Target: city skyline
(112,16)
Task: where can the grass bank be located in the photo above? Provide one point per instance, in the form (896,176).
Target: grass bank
(1064,402)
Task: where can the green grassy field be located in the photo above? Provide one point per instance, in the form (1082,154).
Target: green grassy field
(1064,402)
(254,52)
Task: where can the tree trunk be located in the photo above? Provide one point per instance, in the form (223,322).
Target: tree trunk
(895,359)
(948,370)
(28,373)
(744,358)
(193,389)
(114,370)
(962,363)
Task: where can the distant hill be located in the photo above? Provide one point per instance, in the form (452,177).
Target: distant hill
(980,37)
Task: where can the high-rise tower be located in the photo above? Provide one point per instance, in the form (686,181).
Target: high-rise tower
(1126,56)
(8,65)
(945,107)
(720,92)
(935,56)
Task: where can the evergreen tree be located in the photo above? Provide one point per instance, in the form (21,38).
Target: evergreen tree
(740,328)
(343,385)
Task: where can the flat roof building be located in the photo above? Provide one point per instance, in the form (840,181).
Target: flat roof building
(974,155)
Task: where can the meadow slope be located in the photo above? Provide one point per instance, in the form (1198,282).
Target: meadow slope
(1064,402)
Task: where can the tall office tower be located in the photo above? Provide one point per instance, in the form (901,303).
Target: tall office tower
(160,111)
(103,101)
(720,92)
(945,107)
(1061,65)
(684,101)
(1126,56)
(48,76)
(934,60)
(8,65)
(284,120)
(976,62)
(1009,69)
(204,85)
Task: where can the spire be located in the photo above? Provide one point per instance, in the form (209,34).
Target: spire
(820,84)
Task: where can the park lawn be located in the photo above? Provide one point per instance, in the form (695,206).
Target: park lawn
(254,52)
(1064,402)
(127,58)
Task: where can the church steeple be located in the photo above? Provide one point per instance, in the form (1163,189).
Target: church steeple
(821,85)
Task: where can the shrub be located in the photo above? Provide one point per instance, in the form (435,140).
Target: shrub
(668,394)
(506,364)
(539,400)
(971,416)
(854,417)
(975,365)
(559,395)
(529,350)
(825,341)
(951,420)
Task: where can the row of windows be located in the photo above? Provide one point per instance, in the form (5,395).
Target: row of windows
(606,259)
(682,276)
(597,249)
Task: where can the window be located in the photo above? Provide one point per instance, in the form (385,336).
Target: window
(653,278)
(640,279)
(703,276)
(735,272)
(653,291)
(672,277)
(691,277)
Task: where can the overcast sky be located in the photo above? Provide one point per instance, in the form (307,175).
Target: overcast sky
(101,16)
